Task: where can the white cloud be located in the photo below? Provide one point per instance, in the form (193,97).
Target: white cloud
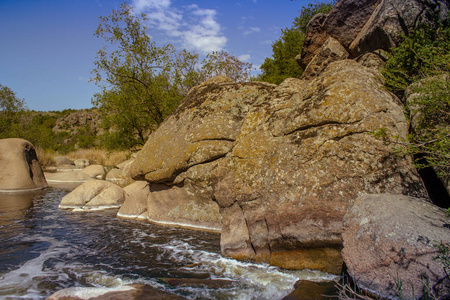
(244,57)
(142,5)
(252,30)
(194,27)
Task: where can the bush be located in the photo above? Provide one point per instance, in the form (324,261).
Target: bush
(422,62)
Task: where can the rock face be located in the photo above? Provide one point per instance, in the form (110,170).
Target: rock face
(177,207)
(135,205)
(19,166)
(383,247)
(392,18)
(283,162)
(121,174)
(94,194)
(79,120)
(362,26)
(343,23)
(330,51)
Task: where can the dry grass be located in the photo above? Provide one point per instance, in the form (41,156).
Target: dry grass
(45,157)
(95,156)
(100,157)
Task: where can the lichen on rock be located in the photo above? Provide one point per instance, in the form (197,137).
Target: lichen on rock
(283,162)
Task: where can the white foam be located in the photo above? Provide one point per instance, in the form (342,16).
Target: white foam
(21,279)
(186,225)
(90,292)
(256,281)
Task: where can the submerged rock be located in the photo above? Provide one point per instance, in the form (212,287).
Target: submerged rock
(94,195)
(19,167)
(282,162)
(390,246)
(310,290)
(126,292)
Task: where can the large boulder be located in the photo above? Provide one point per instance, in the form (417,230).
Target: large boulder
(283,162)
(343,23)
(19,166)
(94,195)
(362,26)
(394,18)
(390,246)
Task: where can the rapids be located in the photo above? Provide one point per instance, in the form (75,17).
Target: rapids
(44,249)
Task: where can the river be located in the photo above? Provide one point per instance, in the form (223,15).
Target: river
(44,249)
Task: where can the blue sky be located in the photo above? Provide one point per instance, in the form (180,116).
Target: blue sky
(48,47)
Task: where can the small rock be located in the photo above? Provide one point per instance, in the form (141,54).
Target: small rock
(62,160)
(94,171)
(94,194)
(82,163)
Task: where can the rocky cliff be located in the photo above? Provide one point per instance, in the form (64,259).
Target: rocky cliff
(283,162)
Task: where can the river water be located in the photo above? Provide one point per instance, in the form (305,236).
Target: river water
(44,249)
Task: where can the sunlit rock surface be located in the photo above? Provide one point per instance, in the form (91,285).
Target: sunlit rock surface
(19,167)
(392,239)
(94,195)
(283,162)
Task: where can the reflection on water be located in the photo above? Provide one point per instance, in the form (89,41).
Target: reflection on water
(44,249)
(14,206)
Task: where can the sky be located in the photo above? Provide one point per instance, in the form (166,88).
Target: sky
(48,47)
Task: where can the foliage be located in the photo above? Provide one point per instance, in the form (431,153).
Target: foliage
(136,68)
(11,108)
(443,256)
(223,63)
(424,52)
(431,115)
(282,64)
(143,83)
(422,63)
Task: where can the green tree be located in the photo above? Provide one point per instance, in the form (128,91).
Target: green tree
(143,83)
(223,63)
(282,64)
(137,93)
(11,108)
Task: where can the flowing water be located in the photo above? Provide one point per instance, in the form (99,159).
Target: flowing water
(44,249)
